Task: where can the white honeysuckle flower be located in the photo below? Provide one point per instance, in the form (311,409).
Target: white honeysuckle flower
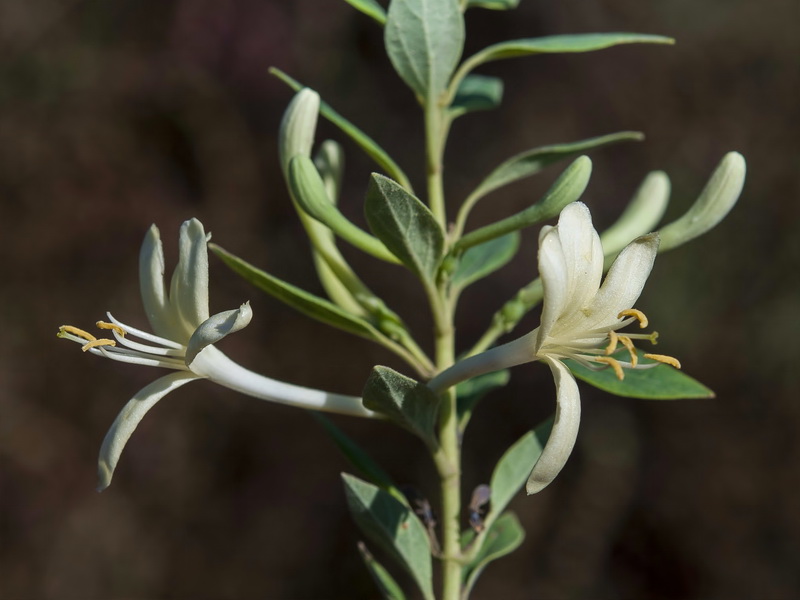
(580,320)
(183,340)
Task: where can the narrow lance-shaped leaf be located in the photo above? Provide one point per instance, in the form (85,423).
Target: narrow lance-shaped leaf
(407,402)
(424,40)
(370,8)
(557,44)
(299,299)
(362,461)
(530,162)
(394,527)
(658,383)
(366,143)
(493,4)
(405,225)
(477,92)
(484,259)
(309,191)
(388,587)
(567,188)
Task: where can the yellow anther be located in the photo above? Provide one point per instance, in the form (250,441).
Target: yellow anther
(614,364)
(663,358)
(628,343)
(613,338)
(104,325)
(636,314)
(96,343)
(75,331)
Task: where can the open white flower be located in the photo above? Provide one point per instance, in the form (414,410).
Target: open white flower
(184,341)
(580,320)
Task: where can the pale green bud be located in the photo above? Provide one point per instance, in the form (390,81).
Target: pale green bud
(299,124)
(715,201)
(640,216)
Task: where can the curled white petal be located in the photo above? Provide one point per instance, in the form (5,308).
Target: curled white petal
(564,433)
(624,283)
(189,288)
(151,284)
(130,416)
(217,327)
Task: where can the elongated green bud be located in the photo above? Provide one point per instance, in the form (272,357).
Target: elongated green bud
(715,201)
(299,124)
(640,216)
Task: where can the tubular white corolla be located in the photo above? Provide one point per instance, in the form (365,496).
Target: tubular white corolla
(184,341)
(580,321)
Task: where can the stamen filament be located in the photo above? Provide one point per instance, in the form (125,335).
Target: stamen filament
(148,337)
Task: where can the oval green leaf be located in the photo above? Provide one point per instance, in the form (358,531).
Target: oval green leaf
(405,225)
(484,259)
(477,92)
(503,537)
(403,400)
(424,40)
(394,527)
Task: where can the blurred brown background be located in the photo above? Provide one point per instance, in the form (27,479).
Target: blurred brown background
(114,115)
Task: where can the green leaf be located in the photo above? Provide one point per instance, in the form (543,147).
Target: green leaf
(308,189)
(394,527)
(358,457)
(477,92)
(557,44)
(493,4)
(366,143)
(515,466)
(472,391)
(424,40)
(388,587)
(407,402)
(299,299)
(503,537)
(567,188)
(658,383)
(370,8)
(405,225)
(532,161)
(484,259)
